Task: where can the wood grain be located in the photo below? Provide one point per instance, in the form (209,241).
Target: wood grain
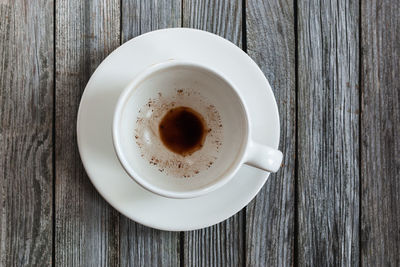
(223,18)
(141,16)
(328,133)
(306,214)
(270,216)
(87,228)
(26,123)
(144,246)
(222,244)
(140,245)
(380,150)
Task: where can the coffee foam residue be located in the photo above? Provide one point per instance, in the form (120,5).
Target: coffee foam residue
(156,154)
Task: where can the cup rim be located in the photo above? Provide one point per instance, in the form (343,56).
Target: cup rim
(125,94)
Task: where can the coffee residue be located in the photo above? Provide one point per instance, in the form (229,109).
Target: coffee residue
(183,130)
(189,160)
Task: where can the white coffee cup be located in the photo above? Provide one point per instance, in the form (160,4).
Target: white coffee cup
(205,90)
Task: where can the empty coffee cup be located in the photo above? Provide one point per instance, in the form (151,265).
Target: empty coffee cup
(181,130)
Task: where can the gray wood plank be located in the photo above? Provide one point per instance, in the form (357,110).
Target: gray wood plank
(380,128)
(144,246)
(26,125)
(87,228)
(328,133)
(270,216)
(141,16)
(140,245)
(222,244)
(223,18)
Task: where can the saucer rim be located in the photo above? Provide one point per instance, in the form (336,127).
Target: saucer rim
(196,225)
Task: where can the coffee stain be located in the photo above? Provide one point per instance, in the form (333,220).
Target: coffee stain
(147,135)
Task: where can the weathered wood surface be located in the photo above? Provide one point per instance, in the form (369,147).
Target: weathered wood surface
(141,16)
(380,133)
(340,163)
(270,216)
(26,126)
(221,244)
(140,245)
(328,133)
(87,228)
(220,17)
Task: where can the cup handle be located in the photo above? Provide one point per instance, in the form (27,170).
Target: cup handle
(263,157)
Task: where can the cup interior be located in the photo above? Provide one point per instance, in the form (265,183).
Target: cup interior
(136,135)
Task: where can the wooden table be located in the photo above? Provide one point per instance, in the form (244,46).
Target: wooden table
(335,70)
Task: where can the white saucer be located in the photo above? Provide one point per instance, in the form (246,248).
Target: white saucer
(95,120)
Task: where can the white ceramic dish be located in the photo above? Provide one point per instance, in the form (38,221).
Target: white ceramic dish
(95,122)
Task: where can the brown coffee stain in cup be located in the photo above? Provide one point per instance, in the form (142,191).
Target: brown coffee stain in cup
(183,130)
(190,160)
